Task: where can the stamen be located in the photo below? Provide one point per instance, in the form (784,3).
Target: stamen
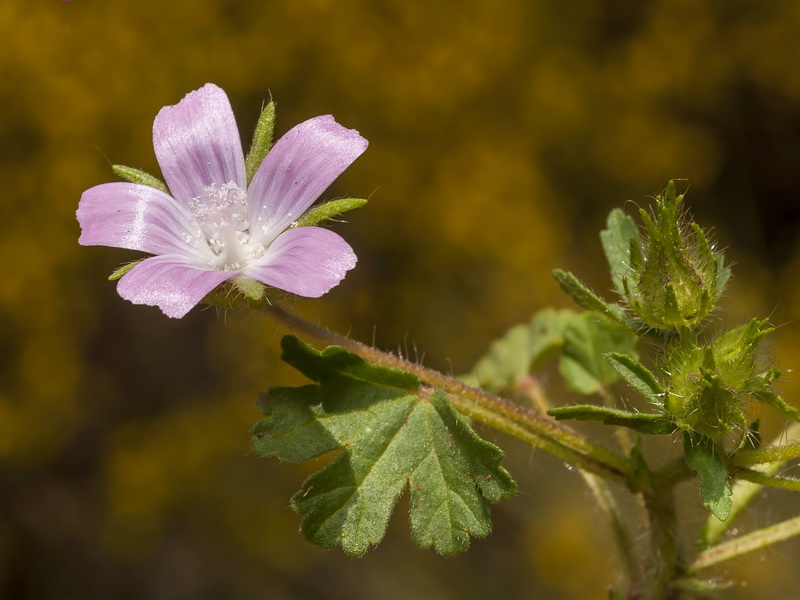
(221,213)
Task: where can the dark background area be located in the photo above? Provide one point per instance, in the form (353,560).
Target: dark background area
(501,134)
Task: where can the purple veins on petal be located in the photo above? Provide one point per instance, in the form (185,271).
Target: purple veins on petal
(169,283)
(213,226)
(300,166)
(307,261)
(197,143)
(137,217)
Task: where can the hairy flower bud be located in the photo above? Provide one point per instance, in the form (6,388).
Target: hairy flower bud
(674,277)
(709,384)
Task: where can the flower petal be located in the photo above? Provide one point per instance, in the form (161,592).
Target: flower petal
(301,165)
(169,283)
(197,143)
(307,261)
(138,217)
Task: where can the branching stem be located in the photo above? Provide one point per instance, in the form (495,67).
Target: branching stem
(538,430)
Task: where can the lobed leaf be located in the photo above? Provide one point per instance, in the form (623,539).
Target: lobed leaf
(587,338)
(392,435)
(522,350)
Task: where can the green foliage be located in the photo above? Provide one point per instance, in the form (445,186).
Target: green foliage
(393,434)
(522,350)
(262,140)
(585,298)
(587,339)
(637,376)
(641,422)
(138,176)
(705,458)
(619,239)
(581,338)
(328,210)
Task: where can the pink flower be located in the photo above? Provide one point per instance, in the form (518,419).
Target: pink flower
(214,226)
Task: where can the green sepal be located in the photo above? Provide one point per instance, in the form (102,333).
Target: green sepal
(522,350)
(704,457)
(641,422)
(587,337)
(328,210)
(618,239)
(586,298)
(119,273)
(637,376)
(240,291)
(138,176)
(262,140)
(393,435)
(777,402)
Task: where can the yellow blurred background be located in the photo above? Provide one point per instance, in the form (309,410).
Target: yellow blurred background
(501,134)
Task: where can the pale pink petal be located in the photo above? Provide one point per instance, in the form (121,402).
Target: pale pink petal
(307,261)
(301,165)
(197,143)
(169,283)
(138,217)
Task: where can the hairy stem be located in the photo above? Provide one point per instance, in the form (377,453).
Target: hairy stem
(529,426)
(746,543)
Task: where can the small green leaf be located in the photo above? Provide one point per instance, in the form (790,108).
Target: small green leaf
(586,339)
(522,350)
(328,210)
(262,140)
(641,422)
(616,238)
(637,376)
(777,402)
(586,298)
(393,436)
(703,457)
(122,270)
(139,176)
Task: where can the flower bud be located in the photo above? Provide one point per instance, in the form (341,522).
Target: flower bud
(675,277)
(710,384)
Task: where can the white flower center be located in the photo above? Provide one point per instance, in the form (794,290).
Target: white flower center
(221,213)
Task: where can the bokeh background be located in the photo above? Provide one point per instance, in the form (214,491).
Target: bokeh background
(501,135)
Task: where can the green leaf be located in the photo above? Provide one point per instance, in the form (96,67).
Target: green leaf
(641,422)
(393,435)
(122,270)
(616,238)
(586,298)
(262,140)
(587,338)
(139,176)
(777,402)
(637,376)
(703,457)
(328,210)
(522,350)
